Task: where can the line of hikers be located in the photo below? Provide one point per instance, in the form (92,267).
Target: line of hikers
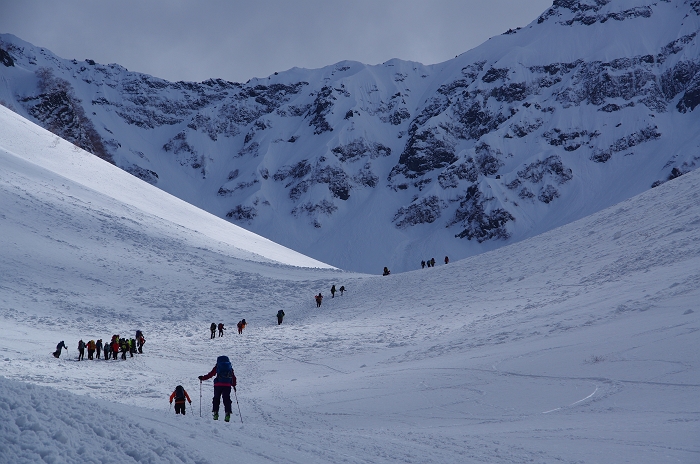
(431,262)
(112,348)
(319,297)
(220,327)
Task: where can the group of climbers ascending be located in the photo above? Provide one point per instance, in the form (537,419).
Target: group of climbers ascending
(110,349)
(431,262)
(213,328)
(319,297)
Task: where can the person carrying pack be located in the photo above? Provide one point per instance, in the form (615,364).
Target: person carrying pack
(61,345)
(91,349)
(140,341)
(333,291)
(212,327)
(180,395)
(241,325)
(224,381)
(98,347)
(81,350)
(280,316)
(221,329)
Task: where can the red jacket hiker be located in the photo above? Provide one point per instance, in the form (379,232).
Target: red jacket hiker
(220,382)
(182,400)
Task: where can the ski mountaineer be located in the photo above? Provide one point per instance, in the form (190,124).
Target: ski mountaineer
(180,395)
(280,316)
(61,345)
(333,291)
(212,327)
(221,329)
(342,289)
(224,381)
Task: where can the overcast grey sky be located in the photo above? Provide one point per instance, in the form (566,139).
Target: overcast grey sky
(236,40)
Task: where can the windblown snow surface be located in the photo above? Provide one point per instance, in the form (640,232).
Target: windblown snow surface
(579,345)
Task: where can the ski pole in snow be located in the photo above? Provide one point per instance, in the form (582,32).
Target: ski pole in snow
(200,398)
(239,406)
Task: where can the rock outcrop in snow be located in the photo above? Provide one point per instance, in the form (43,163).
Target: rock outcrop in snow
(593,102)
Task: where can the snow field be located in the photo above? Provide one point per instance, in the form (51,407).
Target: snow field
(578,345)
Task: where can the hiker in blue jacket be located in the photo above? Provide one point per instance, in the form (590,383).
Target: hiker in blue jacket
(224,381)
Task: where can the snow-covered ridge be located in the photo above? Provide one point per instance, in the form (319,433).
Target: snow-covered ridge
(365,166)
(30,143)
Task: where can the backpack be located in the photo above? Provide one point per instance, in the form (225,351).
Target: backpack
(179,393)
(224,369)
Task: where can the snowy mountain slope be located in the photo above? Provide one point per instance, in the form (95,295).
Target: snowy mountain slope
(365,166)
(577,345)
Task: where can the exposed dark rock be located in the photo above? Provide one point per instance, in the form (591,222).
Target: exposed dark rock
(366,177)
(526,127)
(297,171)
(427,210)
(552,165)
(310,209)
(424,152)
(337,180)
(525,193)
(145,175)
(242,213)
(450,177)
(322,105)
(569,141)
(360,148)
(548,193)
(494,74)
(6,59)
(59,111)
(623,143)
(479,223)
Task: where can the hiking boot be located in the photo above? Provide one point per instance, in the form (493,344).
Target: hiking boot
(216,416)
(227,417)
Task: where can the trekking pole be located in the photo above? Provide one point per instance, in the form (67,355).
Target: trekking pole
(239,406)
(200,398)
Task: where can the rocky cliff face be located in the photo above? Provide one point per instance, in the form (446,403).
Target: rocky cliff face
(366,166)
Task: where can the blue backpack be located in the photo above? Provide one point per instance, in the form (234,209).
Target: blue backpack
(224,369)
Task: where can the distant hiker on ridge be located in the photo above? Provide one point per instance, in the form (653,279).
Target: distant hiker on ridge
(342,289)
(224,381)
(333,291)
(422,264)
(180,395)
(447,260)
(61,345)
(386,271)
(280,316)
